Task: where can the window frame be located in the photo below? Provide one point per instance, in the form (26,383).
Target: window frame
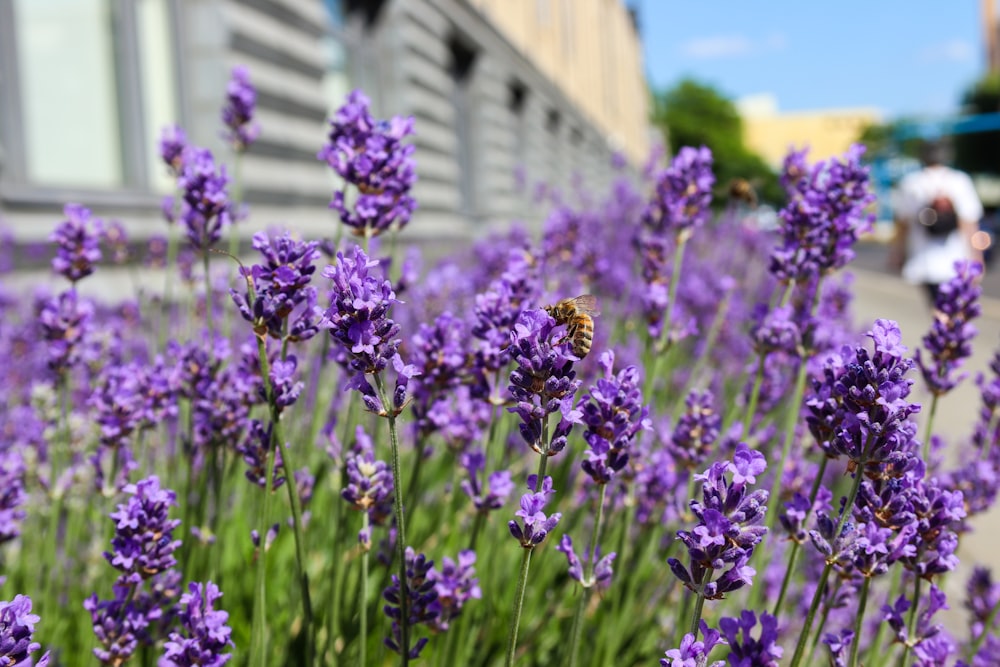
(136,189)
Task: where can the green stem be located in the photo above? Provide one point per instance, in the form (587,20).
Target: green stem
(791,418)
(800,646)
(362,660)
(911,622)
(873,656)
(858,620)
(522,579)
(208,302)
(987,626)
(754,396)
(258,645)
(699,366)
(587,582)
(699,603)
(404,602)
(927,429)
(477,528)
(278,440)
(817,482)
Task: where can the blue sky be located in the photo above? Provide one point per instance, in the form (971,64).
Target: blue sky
(903,58)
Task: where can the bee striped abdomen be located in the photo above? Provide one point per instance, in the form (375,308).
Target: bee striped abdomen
(581,334)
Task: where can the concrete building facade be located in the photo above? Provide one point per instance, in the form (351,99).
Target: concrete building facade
(86,86)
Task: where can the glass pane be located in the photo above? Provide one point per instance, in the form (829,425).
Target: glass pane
(68,92)
(335,83)
(159,90)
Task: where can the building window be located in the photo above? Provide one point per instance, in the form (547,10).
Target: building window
(463,59)
(87,85)
(517,94)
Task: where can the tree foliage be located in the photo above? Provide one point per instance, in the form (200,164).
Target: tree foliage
(696,114)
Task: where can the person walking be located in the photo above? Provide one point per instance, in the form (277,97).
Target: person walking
(937,213)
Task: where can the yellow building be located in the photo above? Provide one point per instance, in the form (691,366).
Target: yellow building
(827,132)
(591,50)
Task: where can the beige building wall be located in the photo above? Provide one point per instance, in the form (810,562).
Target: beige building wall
(826,132)
(592,51)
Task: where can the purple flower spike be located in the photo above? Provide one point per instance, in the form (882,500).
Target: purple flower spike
(369,485)
(66,324)
(825,215)
(143,543)
(536,524)
(603,570)
(423,605)
(499,483)
(237,113)
(455,585)
(949,342)
(544,381)
(281,290)
(371,156)
(696,431)
(730,525)
(254,449)
(613,414)
(694,652)
(17,625)
(358,317)
(204,634)
(12,495)
(683,193)
(173,142)
(77,242)
(205,208)
(761,652)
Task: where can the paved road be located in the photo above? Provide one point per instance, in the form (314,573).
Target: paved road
(880,295)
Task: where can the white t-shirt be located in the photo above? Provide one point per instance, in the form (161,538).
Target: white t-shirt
(929,259)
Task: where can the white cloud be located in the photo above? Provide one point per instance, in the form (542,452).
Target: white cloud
(729,46)
(954,51)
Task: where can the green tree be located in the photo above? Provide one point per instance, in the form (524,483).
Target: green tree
(695,114)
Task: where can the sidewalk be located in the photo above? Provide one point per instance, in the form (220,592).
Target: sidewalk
(878,295)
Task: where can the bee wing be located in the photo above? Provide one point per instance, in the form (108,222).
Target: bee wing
(586,303)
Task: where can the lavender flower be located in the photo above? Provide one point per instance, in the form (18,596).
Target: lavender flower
(17,625)
(280,288)
(143,543)
(237,113)
(543,383)
(134,617)
(254,449)
(683,193)
(371,156)
(206,208)
(173,142)
(859,408)
(204,634)
(730,525)
(747,651)
(77,243)
(423,603)
(602,568)
(369,486)
(694,653)
(839,645)
(613,414)
(537,525)
(358,317)
(455,585)
(696,432)
(982,599)
(949,341)
(825,215)
(498,485)
(285,388)
(12,495)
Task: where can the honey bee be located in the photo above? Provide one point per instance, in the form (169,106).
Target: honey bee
(578,316)
(741,190)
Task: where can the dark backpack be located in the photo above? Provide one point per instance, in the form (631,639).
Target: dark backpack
(938,217)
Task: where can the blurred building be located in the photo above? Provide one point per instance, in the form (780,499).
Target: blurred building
(827,132)
(507,94)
